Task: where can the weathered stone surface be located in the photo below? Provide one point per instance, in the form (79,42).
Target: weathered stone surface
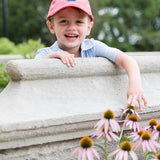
(47,107)
(5,58)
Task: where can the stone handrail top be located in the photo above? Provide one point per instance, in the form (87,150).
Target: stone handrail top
(54,68)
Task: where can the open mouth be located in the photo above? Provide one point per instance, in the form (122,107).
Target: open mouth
(72,36)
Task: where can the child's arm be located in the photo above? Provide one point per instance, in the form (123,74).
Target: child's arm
(135,91)
(65,57)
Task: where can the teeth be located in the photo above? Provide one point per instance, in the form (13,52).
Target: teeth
(71,36)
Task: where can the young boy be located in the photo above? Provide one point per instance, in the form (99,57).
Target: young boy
(71,21)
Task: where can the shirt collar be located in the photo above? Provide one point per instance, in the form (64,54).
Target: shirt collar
(56,47)
(87,44)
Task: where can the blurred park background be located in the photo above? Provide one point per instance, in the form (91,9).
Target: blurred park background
(124,24)
(128,25)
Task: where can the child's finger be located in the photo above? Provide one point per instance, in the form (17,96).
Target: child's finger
(72,61)
(129,100)
(134,99)
(144,100)
(68,62)
(140,102)
(65,61)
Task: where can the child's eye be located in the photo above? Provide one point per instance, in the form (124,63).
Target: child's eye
(63,21)
(79,21)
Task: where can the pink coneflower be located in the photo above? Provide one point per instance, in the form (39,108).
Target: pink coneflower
(156,157)
(147,142)
(124,151)
(136,135)
(156,133)
(152,125)
(86,150)
(132,123)
(110,135)
(129,110)
(108,121)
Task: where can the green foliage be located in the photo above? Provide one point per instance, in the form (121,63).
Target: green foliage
(4,78)
(7,47)
(148,155)
(27,49)
(123,139)
(130,26)
(127,25)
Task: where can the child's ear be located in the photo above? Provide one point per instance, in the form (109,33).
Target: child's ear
(50,26)
(90,25)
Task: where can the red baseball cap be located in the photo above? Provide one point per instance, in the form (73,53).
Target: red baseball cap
(57,5)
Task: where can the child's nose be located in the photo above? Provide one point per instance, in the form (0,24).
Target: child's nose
(71,26)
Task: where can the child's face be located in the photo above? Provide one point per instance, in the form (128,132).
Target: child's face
(71,26)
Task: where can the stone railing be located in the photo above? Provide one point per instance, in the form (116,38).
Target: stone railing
(47,107)
(5,58)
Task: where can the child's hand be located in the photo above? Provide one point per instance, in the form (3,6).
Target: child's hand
(136,94)
(65,57)
(135,91)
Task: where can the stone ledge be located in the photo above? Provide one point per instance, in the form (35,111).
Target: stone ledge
(155,53)
(5,58)
(50,146)
(53,107)
(48,131)
(53,68)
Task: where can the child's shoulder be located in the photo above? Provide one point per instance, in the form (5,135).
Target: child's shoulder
(93,41)
(53,48)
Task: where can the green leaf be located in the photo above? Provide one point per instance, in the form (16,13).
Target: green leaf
(4,77)
(99,146)
(147,155)
(123,139)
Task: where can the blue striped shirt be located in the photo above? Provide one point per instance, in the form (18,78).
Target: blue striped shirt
(89,48)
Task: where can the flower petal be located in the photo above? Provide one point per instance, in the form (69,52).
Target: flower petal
(75,151)
(133,155)
(155,135)
(106,127)
(146,146)
(126,155)
(101,135)
(96,153)
(108,137)
(155,143)
(80,153)
(137,144)
(89,154)
(84,155)
(119,155)
(114,152)
(115,137)
(99,124)
(114,125)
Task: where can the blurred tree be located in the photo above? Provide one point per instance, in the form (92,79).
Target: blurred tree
(128,25)
(26,19)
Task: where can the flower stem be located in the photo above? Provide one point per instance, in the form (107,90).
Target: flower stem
(123,126)
(105,149)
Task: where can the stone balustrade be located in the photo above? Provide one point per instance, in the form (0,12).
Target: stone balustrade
(5,58)
(47,107)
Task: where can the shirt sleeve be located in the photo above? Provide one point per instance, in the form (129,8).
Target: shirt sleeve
(41,53)
(103,50)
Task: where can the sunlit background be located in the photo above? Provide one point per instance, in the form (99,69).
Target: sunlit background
(124,24)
